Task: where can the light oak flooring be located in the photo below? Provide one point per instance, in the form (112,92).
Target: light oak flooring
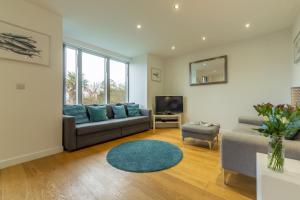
(85,175)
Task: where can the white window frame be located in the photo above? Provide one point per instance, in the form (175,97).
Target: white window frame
(79,51)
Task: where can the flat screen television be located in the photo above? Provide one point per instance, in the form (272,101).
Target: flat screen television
(168,104)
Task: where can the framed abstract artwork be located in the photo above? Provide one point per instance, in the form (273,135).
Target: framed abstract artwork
(156,74)
(297,49)
(21,44)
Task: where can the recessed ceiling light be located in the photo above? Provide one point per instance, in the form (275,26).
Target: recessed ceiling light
(247,25)
(176,6)
(138,26)
(203,38)
(173,47)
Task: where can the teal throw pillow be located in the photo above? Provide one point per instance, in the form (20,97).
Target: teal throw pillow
(97,113)
(77,111)
(119,112)
(133,110)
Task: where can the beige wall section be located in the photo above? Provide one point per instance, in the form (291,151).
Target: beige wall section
(137,81)
(94,48)
(296,67)
(143,90)
(154,88)
(31,119)
(258,71)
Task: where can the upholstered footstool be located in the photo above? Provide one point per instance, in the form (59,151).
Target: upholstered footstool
(205,133)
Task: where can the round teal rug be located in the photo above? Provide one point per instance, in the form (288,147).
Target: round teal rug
(144,156)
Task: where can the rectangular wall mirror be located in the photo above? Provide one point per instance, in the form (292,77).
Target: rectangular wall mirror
(209,71)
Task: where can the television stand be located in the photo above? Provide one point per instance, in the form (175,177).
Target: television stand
(166,113)
(167,119)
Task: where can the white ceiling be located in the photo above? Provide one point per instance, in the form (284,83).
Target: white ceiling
(111,24)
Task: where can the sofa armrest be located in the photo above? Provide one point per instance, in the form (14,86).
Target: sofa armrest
(69,133)
(257,121)
(238,152)
(145,112)
(292,149)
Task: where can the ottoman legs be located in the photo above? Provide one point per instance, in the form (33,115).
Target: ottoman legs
(209,144)
(207,134)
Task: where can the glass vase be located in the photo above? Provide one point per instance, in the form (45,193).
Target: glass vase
(276,153)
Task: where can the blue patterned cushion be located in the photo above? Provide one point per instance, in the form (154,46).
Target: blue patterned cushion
(78,111)
(119,112)
(133,110)
(97,113)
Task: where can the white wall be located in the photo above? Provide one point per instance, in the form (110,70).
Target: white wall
(31,119)
(296,67)
(258,71)
(154,88)
(138,80)
(142,89)
(95,48)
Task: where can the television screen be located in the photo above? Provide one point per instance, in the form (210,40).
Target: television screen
(168,104)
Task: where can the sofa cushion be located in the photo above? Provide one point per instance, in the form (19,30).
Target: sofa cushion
(94,127)
(109,110)
(130,121)
(97,113)
(250,129)
(256,121)
(77,111)
(119,111)
(246,129)
(133,110)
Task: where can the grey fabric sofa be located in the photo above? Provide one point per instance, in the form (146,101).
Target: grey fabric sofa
(239,147)
(76,136)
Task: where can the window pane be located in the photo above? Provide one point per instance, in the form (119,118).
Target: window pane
(70,76)
(93,81)
(117,82)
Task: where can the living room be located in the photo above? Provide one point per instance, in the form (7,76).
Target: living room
(87,82)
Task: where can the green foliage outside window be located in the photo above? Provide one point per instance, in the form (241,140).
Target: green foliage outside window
(93,93)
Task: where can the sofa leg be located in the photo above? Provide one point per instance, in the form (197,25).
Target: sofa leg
(226,176)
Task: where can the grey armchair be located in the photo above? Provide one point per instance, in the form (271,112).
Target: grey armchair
(239,147)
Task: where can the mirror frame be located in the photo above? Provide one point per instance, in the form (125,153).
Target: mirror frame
(205,60)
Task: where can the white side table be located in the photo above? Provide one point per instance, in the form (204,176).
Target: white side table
(277,186)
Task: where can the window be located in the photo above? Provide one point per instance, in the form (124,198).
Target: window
(86,78)
(93,79)
(118,78)
(70,76)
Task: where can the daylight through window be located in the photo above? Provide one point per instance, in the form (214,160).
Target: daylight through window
(86,78)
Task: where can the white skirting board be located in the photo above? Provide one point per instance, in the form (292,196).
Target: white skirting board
(28,157)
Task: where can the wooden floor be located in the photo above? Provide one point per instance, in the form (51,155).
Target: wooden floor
(85,175)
